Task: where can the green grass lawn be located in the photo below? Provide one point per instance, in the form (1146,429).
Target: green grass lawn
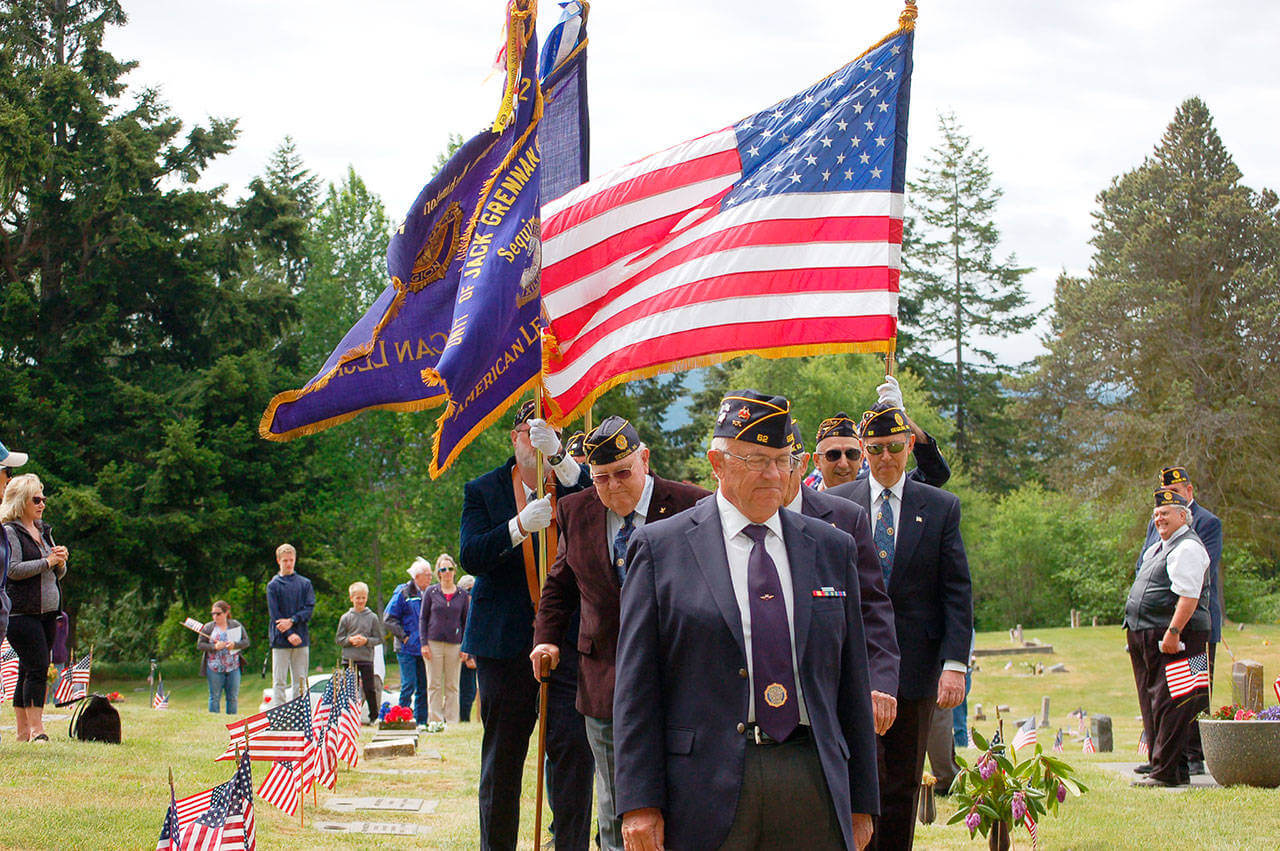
(69,794)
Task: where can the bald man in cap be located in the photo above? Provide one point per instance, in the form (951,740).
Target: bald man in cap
(916,530)
(589,571)
(1167,618)
(742,713)
(1208,528)
(877,611)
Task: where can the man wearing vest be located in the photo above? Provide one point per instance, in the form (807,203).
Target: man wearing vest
(1208,528)
(1167,618)
(502,520)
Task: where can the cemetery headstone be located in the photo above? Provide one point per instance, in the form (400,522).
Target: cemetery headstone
(1044,712)
(1100,729)
(1247,684)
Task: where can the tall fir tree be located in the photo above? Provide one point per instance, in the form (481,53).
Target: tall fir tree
(957,293)
(1166,352)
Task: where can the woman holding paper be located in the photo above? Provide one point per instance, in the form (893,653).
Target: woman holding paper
(222,639)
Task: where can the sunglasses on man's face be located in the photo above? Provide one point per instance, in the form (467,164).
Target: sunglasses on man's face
(602,479)
(877,448)
(833,455)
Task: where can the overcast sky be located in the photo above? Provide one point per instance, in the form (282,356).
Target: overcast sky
(1063,96)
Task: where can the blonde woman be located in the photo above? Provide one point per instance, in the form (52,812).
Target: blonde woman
(36,564)
(444,619)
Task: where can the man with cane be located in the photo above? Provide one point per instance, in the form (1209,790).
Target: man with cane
(502,527)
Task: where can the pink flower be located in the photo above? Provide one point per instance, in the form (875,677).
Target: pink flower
(972,821)
(1018,808)
(987,767)
(1062,792)
(1245,714)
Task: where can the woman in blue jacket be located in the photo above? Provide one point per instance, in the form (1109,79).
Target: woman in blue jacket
(401,619)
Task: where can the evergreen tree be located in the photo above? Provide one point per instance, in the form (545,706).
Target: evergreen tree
(1167,351)
(958,292)
(134,359)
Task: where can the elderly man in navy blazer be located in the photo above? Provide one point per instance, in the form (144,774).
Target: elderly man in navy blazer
(501,522)
(742,713)
(916,531)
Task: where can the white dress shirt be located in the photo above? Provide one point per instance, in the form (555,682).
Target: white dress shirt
(1187,561)
(738,548)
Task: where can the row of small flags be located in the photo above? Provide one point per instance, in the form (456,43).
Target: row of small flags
(72,685)
(304,748)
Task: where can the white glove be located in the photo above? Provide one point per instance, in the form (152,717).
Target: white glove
(543,437)
(890,392)
(536,516)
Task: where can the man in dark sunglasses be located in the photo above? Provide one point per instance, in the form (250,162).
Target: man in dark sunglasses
(589,572)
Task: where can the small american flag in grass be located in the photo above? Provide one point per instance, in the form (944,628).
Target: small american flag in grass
(1144,748)
(1088,744)
(1026,735)
(161,700)
(1057,742)
(8,671)
(282,787)
(73,683)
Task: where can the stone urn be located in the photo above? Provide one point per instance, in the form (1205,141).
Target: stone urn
(1244,753)
(999,838)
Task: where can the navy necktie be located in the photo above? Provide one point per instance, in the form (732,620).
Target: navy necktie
(883,535)
(777,712)
(620,546)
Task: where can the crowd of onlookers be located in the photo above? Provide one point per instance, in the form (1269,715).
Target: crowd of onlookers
(425,618)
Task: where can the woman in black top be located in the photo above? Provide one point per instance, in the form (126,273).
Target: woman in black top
(36,564)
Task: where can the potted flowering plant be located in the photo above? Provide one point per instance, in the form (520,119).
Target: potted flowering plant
(999,792)
(1242,747)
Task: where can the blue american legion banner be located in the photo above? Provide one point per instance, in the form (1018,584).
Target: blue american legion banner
(460,322)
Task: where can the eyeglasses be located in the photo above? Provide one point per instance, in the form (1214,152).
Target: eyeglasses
(38,500)
(877,448)
(833,455)
(760,463)
(602,479)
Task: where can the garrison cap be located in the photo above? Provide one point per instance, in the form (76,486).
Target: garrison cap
(756,418)
(524,413)
(797,446)
(884,420)
(1164,496)
(613,440)
(838,425)
(1174,476)
(573,446)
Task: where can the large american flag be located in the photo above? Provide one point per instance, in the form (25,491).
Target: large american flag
(282,732)
(1186,675)
(8,671)
(220,818)
(73,682)
(779,235)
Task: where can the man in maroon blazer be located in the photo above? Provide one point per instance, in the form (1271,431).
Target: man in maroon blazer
(589,570)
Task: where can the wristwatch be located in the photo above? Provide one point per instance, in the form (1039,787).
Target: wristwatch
(1174,630)
(554,460)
